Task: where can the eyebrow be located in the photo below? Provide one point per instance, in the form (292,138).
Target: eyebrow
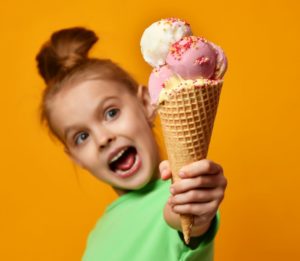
(75,126)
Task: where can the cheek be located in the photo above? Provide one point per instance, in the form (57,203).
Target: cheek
(142,132)
(133,122)
(88,156)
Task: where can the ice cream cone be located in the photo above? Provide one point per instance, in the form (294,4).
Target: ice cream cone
(187,117)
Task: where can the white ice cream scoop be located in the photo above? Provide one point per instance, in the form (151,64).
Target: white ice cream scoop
(159,36)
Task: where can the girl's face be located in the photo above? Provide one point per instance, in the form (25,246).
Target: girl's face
(107,131)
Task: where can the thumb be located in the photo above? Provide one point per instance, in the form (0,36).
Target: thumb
(165,170)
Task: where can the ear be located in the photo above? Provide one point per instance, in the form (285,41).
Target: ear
(72,157)
(144,97)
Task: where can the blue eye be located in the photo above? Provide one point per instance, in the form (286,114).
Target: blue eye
(111,114)
(81,137)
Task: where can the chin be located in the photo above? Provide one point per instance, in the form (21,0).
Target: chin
(137,182)
(140,183)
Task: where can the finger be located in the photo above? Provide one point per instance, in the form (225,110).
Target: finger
(197,209)
(198,168)
(196,196)
(165,170)
(201,182)
(203,219)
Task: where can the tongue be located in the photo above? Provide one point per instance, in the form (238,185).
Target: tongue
(125,162)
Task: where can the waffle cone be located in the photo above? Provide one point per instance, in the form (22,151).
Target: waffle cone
(187,119)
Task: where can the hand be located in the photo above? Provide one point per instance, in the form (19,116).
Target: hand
(199,192)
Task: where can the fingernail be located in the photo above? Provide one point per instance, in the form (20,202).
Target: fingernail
(164,172)
(172,190)
(181,174)
(169,201)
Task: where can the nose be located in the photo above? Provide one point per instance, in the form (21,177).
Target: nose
(104,137)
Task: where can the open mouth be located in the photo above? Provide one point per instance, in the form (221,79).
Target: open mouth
(126,162)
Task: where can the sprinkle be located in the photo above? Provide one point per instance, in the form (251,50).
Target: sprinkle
(176,20)
(180,47)
(201,60)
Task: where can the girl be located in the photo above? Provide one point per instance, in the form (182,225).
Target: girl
(104,120)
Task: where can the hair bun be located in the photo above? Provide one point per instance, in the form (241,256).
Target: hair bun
(65,50)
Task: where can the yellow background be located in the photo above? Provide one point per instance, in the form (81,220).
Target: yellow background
(48,206)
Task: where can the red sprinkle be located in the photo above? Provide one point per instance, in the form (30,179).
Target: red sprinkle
(201,60)
(180,47)
(175,20)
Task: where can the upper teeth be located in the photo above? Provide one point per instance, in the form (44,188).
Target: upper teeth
(117,156)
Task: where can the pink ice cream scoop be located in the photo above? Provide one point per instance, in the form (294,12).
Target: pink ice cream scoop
(222,63)
(192,57)
(157,80)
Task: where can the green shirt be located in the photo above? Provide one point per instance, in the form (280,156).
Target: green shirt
(133,229)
